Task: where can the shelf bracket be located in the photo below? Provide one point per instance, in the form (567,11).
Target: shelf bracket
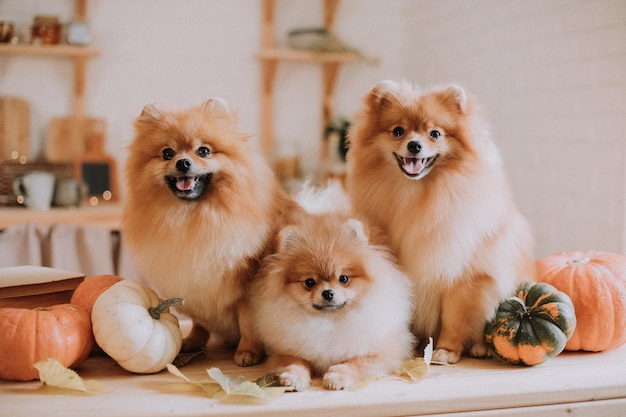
(330,71)
(80,64)
(268,71)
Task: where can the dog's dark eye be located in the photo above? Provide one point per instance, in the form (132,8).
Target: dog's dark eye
(434,134)
(168,153)
(343,279)
(203,152)
(309,283)
(398,131)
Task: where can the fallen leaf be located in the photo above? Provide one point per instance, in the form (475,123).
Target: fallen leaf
(209,386)
(413,370)
(226,388)
(183,358)
(428,351)
(230,384)
(268,380)
(54,374)
(364,383)
(241,387)
(416,369)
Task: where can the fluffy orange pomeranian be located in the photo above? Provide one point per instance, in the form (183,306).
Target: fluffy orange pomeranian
(422,167)
(201,211)
(329,303)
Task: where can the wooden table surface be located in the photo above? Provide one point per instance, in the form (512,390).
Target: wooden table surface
(572,384)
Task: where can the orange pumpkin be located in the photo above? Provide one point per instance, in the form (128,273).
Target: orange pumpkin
(90,289)
(62,332)
(596,283)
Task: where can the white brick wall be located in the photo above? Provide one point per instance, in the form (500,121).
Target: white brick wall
(551,76)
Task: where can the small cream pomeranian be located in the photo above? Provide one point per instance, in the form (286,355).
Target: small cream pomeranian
(422,167)
(201,211)
(329,303)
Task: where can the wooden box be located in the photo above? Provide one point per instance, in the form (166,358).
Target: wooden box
(36,286)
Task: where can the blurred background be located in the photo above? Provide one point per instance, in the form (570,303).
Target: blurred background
(550,76)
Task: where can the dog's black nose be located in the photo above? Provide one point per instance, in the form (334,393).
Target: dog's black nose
(328,294)
(183,165)
(414,147)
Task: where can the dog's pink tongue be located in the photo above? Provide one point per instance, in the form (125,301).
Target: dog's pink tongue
(184,183)
(413,166)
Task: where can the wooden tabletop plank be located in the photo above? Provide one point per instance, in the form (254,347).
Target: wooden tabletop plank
(594,384)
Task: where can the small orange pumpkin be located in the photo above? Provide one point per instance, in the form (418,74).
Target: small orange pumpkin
(90,289)
(596,283)
(62,332)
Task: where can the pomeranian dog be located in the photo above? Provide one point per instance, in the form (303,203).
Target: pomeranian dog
(201,211)
(329,303)
(421,166)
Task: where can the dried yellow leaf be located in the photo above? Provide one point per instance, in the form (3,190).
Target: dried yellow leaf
(428,351)
(241,389)
(54,374)
(413,370)
(268,380)
(238,390)
(364,383)
(416,369)
(209,386)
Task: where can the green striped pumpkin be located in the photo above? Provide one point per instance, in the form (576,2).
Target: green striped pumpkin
(531,326)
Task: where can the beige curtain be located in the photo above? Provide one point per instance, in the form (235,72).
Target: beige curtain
(91,250)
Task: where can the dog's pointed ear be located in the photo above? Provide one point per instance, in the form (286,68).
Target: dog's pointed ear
(152,111)
(381,93)
(455,96)
(216,105)
(356,228)
(285,237)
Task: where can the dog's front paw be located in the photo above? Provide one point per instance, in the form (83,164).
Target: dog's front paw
(446,356)
(480,350)
(248,358)
(335,380)
(299,381)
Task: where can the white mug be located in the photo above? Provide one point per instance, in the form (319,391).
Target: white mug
(37,188)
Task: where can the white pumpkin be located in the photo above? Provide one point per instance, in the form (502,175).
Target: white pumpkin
(131,325)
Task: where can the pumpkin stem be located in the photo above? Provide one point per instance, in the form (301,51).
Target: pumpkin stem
(155,312)
(523,310)
(577,261)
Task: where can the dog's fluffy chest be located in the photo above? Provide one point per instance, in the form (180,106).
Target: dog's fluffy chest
(443,230)
(206,263)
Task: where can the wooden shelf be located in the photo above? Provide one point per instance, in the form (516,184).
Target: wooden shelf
(277,54)
(79,54)
(104,214)
(270,56)
(68,51)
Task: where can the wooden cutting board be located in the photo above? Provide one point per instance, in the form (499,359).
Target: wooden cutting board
(14,128)
(67,137)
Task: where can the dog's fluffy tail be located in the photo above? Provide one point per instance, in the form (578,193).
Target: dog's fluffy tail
(330,198)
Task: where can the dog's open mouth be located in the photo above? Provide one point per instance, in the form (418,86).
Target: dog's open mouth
(328,306)
(415,167)
(188,187)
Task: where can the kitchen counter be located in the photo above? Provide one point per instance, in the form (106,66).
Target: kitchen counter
(580,384)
